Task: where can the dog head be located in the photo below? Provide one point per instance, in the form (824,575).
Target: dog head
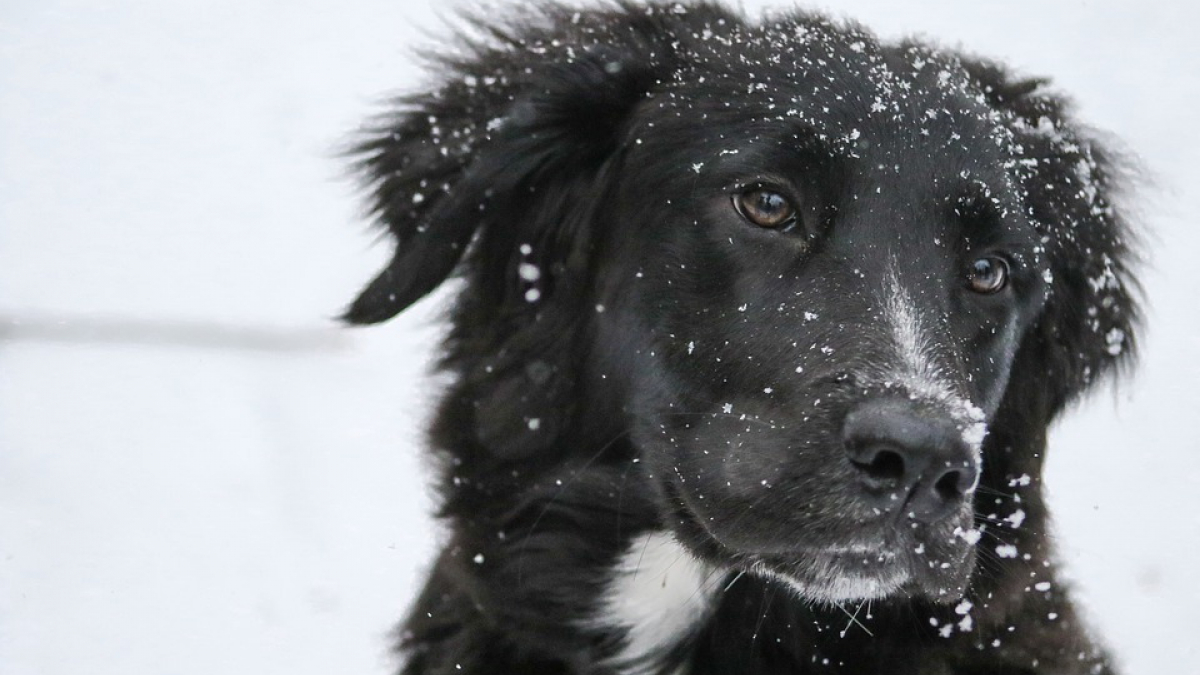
(830,289)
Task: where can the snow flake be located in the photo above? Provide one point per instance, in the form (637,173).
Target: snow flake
(1016,518)
(529,271)
(970,536)
(1116,341)
(1021,480)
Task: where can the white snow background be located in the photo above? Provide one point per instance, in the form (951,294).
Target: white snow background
(200,473)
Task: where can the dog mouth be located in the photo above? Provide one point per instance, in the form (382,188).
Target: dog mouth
(841,573)
(934,565)
(838,574)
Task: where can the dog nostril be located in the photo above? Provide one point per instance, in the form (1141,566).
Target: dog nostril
(949,486)
(886,466)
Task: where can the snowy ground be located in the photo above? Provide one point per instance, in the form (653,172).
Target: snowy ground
(200,474)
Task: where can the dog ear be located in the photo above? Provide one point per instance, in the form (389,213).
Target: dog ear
(520,115)
(511,158)
(1073,186)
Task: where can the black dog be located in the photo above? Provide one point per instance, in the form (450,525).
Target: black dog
(761,330)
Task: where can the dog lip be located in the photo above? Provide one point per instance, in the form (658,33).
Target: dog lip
(891,546)
(894,565)
(858,549)
(837,578)
(839,554)
(893,561)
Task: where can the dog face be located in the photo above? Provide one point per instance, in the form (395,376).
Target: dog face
(822,309)
(825,286)
(818,301)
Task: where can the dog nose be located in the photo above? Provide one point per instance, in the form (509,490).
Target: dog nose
(909,458)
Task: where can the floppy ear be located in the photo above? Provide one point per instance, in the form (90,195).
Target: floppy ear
(520,118)
(1072,187)
(511,158)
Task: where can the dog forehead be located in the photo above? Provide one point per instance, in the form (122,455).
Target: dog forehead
(919,143)
(841,84)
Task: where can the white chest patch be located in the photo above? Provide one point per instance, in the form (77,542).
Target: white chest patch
(659,594)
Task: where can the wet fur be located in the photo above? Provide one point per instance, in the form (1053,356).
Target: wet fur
(531,148)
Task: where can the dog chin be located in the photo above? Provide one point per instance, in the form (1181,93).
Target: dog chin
(845,575)
(829,581)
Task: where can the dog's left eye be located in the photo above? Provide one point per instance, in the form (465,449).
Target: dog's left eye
(765,208)
(988,275)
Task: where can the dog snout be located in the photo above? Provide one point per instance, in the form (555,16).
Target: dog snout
(909,459)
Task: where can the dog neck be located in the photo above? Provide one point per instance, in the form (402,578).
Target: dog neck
(658,597)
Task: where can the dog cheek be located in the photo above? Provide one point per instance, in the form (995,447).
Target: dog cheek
(753,484)
(989,358)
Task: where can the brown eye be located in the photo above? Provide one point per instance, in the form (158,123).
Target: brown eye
(988,275)
(765,208)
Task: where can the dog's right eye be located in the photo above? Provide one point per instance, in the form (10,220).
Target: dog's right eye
(988,275)
(765,208)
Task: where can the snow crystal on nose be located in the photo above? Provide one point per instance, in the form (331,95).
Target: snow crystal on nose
(974,429)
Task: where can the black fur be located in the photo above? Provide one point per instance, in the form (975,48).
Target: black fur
(589,391)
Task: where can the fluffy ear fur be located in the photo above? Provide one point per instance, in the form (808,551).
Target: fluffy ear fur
(1072,185)
(502,148)
(512,152)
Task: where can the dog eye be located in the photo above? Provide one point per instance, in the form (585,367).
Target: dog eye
(765,208)
(988,275)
